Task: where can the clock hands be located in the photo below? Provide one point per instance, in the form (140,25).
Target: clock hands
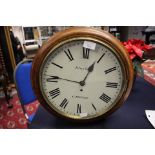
(69,80)
(58,78)
(90,69)
(82,83)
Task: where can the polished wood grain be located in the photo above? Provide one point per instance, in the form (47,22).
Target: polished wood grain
(85,32)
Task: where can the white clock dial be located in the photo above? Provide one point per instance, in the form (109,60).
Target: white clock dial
(81,79)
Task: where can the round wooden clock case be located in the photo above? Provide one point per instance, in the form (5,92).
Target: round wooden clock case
(82,74)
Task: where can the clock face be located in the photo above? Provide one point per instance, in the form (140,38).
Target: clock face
(82,78)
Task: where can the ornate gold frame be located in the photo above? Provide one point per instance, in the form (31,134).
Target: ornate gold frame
(9,44)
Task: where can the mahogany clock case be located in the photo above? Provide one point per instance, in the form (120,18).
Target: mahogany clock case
(88,34)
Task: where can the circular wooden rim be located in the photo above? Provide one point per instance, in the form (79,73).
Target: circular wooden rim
(76,33)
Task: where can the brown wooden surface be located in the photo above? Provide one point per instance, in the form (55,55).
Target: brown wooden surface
(88,33)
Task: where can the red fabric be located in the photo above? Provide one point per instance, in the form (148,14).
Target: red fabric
(135,47)
(14,118)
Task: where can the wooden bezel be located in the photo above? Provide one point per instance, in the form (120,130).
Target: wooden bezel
(84,32)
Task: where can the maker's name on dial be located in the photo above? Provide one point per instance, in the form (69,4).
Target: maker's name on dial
(79,97)
(81,68)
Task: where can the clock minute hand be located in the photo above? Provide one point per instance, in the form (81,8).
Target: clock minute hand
(69,80)
(56,77)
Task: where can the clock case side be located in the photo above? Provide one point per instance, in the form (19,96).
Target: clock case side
(78,32)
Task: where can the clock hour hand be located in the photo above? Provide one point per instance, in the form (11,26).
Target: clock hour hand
(58,78)
(90,69)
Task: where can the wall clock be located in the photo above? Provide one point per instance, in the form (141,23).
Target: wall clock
(82,74)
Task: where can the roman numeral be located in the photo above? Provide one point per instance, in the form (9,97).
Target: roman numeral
(57,65)
(52,79)
(100,58)
(54,93)
(86,53)
(64,103)
(94,107)
(110,70)
(111,84)
(78,108)
(105,98)
(69,55)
